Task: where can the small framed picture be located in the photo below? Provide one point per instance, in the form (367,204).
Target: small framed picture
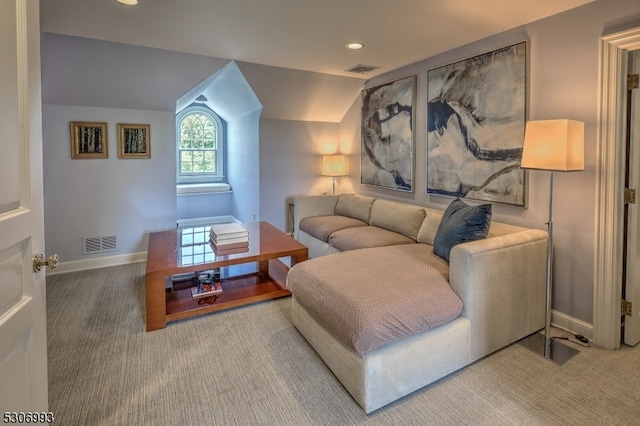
(89,140)
(134,141)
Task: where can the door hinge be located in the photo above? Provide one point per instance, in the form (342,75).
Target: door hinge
(633,81)
(627,308)
(629,196)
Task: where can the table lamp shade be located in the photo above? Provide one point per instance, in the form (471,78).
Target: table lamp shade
(333,165)
(556,145)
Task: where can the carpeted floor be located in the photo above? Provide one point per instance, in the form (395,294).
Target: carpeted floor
(249,366)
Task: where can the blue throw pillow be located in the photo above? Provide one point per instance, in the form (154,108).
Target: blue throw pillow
(461,223)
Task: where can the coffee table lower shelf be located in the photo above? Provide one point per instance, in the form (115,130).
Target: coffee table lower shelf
(268,248)
(237,291)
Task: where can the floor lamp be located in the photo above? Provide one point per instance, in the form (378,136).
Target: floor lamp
(554,146)
(334,165)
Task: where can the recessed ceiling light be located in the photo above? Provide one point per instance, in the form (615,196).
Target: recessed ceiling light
(128,2)
(355,45)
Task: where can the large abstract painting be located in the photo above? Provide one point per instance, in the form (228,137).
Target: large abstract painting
(475,127)
(387,152)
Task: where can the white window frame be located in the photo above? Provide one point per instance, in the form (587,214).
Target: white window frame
(201,177)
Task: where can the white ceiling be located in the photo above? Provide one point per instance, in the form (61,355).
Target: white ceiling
(305,35)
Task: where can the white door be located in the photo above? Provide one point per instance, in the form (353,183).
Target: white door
(23,339)
(632,323)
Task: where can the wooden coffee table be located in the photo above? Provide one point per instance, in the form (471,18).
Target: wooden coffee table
(168,254)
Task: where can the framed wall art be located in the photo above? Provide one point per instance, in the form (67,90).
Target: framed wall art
(134,141)
(89,140)
(476,117)
(387,151)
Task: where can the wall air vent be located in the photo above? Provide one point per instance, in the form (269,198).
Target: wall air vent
(361,69)
(91,245)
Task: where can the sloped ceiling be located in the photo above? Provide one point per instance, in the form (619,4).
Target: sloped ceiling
(85,72)
(307,35)
(292,52)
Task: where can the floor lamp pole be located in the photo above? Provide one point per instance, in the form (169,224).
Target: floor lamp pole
(545,345)
(547,321)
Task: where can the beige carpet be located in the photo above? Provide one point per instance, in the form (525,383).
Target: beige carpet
(249,366)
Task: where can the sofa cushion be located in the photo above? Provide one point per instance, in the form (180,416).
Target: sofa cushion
(398,217)
(365,237)
(461,223)
(427,232)
(322,227)
(355,206)
(499,229)
(393,293)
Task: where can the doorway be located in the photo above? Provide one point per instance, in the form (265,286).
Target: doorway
(615,54)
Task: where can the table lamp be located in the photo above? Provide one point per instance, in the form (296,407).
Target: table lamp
(334,165)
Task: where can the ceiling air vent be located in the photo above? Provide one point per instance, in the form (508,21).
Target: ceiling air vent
(361,69)
(92,245)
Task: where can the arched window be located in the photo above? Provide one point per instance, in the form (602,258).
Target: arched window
(200,137)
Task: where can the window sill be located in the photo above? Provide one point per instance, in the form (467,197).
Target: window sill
(202,188)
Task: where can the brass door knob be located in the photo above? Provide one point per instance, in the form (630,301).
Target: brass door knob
(39,261)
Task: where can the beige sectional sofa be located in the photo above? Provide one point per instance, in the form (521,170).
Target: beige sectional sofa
(386,314)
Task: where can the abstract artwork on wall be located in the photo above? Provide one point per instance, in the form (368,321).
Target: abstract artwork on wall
(475,127)
(387,152)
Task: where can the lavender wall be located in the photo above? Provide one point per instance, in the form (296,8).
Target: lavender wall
(127,198)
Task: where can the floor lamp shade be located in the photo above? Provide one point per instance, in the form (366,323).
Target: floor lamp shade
(555,145)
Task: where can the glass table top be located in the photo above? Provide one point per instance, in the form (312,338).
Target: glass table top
(194,247)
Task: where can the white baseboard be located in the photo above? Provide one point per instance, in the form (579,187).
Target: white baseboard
(98,262)
(573,325)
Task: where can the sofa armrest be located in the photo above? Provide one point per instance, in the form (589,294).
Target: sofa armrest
(502,283)
(312,205)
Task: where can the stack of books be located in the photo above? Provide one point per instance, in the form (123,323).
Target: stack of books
(228,238)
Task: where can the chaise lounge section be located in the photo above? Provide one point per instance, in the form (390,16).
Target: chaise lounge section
(386,314)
